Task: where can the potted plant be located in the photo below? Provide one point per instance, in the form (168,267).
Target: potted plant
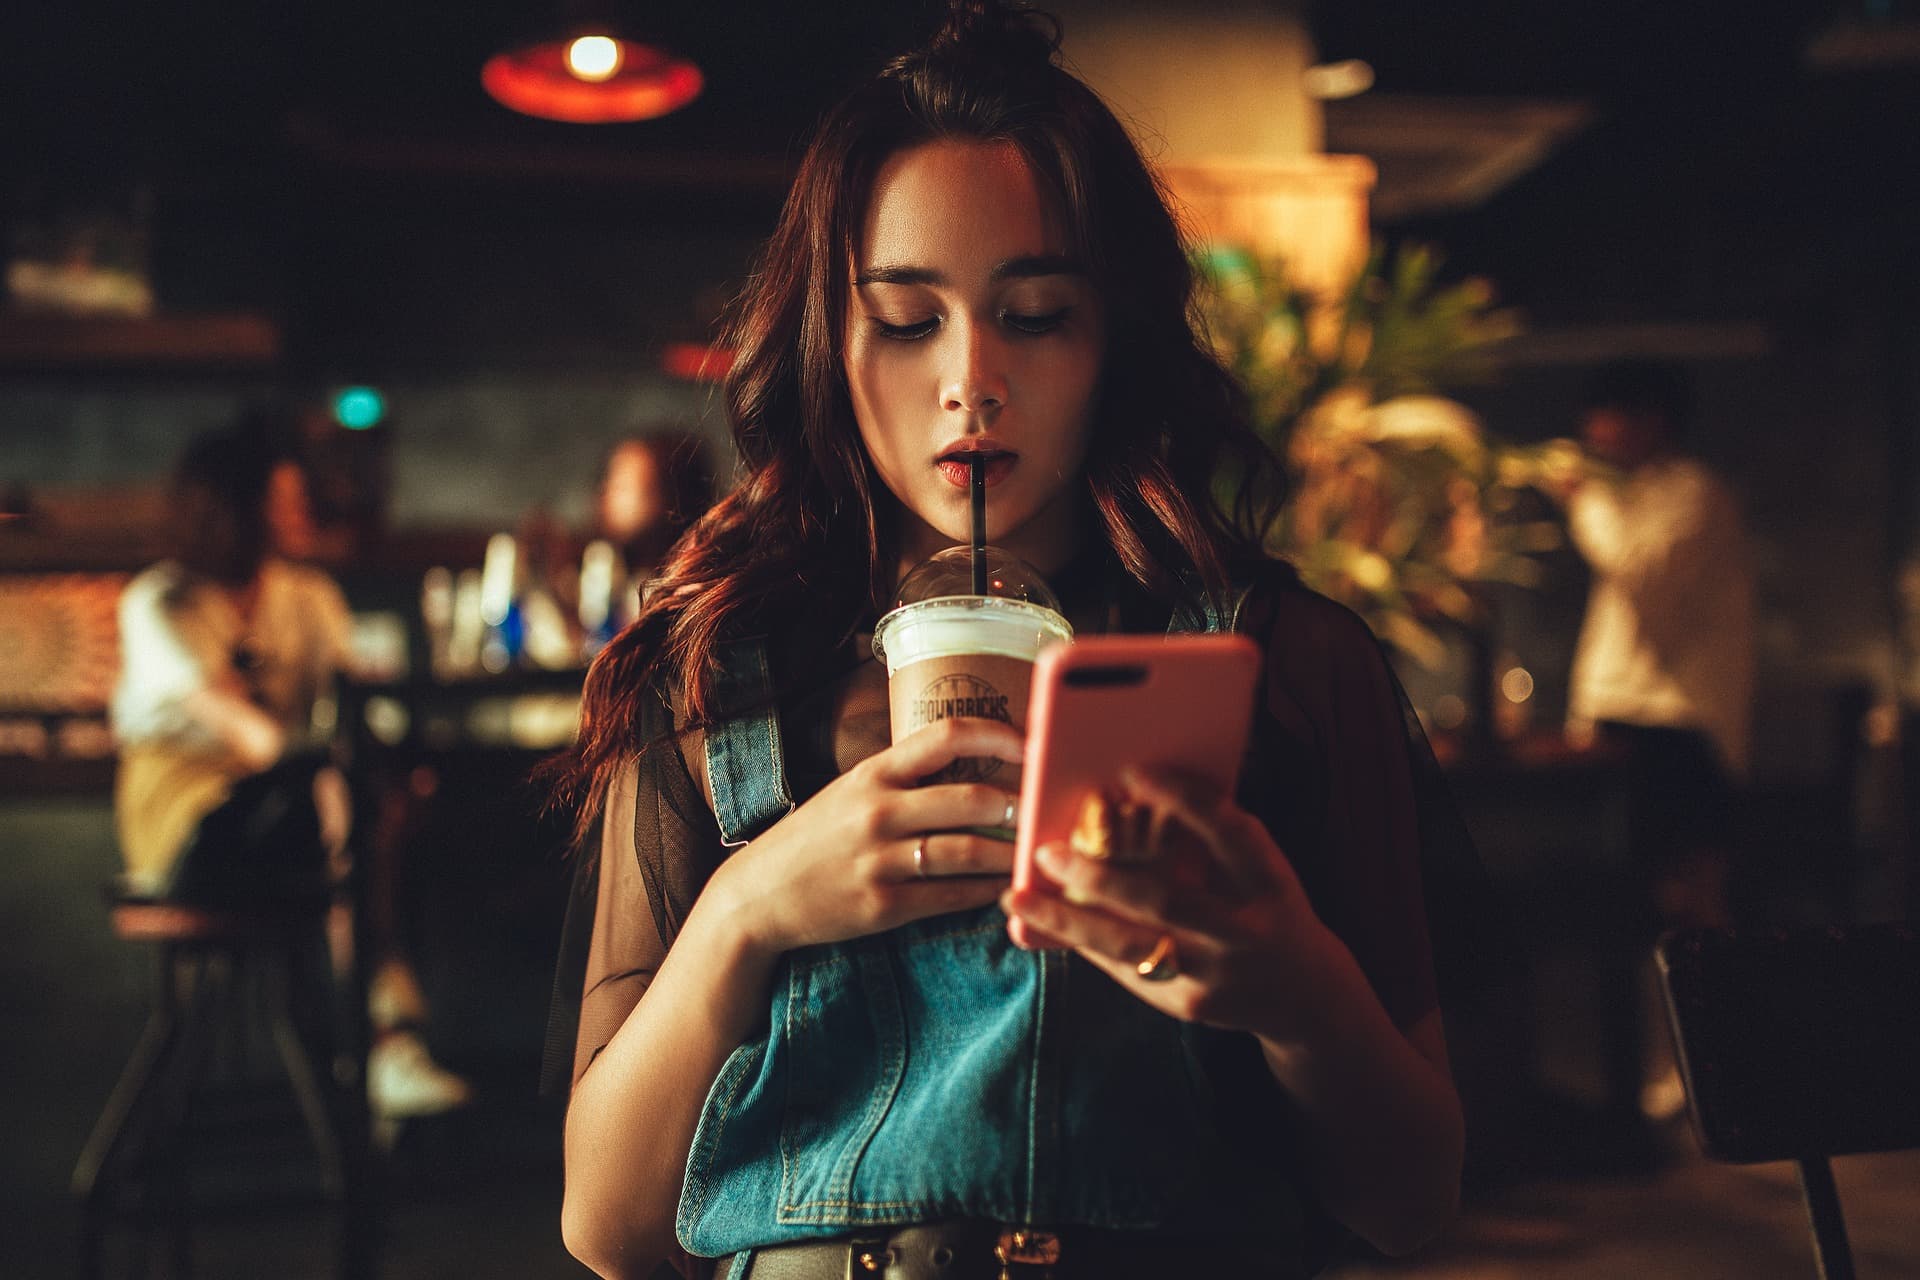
(1401,504)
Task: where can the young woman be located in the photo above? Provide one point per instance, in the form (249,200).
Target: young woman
(807,1045)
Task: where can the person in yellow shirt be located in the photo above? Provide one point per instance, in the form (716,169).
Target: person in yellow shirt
(224,795)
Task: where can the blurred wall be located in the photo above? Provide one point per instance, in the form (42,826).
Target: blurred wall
(1148,58)
(514,332)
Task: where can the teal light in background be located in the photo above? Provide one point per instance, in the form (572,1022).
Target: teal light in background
(357,408)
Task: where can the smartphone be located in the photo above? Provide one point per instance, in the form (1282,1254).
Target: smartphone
(1106,703)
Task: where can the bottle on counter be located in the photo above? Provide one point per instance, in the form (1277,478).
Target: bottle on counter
(602,583)
(504,636)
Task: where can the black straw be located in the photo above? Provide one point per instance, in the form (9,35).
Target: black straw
(979,523)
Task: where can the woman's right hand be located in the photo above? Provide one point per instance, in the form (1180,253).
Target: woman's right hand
(843,864)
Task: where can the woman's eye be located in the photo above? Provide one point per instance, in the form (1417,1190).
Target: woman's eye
(904,332)
(1023,322)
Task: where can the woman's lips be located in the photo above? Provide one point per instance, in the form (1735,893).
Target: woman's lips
(958,468)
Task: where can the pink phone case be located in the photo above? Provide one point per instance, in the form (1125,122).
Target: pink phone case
(1108,702)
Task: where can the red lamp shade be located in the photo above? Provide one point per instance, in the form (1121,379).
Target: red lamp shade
(624,80)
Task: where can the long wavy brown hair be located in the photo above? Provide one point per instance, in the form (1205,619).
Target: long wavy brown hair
(808,532)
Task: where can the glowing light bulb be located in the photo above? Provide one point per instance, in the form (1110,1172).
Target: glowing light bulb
(594,58)
(1517,684)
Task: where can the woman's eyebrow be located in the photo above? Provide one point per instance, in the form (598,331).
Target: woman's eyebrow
(1038,264)
(898,275)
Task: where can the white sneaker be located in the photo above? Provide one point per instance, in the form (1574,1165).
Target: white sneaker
(404,1081)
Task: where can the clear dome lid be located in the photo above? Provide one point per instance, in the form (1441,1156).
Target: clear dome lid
(950,573)
(939,614)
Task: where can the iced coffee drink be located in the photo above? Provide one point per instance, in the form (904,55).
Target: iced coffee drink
(950,652)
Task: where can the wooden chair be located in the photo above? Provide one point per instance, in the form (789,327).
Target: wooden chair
(1799,1046)
(209,961)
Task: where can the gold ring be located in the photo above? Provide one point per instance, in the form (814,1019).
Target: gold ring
(1162,963)
(920,858)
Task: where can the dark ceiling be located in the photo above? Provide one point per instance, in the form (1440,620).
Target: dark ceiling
(101,87)
(1707,128)
(1618,53)
(114,85)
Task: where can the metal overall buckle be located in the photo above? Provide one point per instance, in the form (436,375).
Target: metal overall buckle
(1027,1248)
(868,1256)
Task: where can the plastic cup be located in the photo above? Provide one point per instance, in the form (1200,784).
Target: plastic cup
(966,655)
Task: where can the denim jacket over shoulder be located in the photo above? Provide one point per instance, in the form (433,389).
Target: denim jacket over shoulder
(938,1071)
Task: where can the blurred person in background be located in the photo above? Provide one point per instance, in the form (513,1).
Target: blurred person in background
(224,795)
(1663,672)
(651,488)
(1664,666)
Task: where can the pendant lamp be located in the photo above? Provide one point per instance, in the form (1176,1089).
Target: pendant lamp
(591,74)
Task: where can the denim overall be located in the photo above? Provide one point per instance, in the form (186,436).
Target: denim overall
(937,1071)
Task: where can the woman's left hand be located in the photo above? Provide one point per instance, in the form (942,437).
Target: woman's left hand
(1215,901)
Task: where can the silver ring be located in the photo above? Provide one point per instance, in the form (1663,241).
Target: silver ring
(1162,963)
(920,858)
(1006,819)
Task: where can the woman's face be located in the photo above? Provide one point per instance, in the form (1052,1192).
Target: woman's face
(631,501)
(972,329)
(1622,437)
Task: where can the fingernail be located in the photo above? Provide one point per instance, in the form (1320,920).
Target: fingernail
(1076,895)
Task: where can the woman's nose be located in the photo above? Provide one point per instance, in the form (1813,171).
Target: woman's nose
(976,381)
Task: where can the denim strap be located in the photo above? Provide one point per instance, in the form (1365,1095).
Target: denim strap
(745,767)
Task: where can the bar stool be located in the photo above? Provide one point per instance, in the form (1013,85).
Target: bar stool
(209,960)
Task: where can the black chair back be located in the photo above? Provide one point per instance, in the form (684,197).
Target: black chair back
(1799,1046)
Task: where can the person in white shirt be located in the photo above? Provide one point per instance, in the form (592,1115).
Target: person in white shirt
(227,648)
(1668,637)
(1664,666)
(224,795)
(1663,672)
